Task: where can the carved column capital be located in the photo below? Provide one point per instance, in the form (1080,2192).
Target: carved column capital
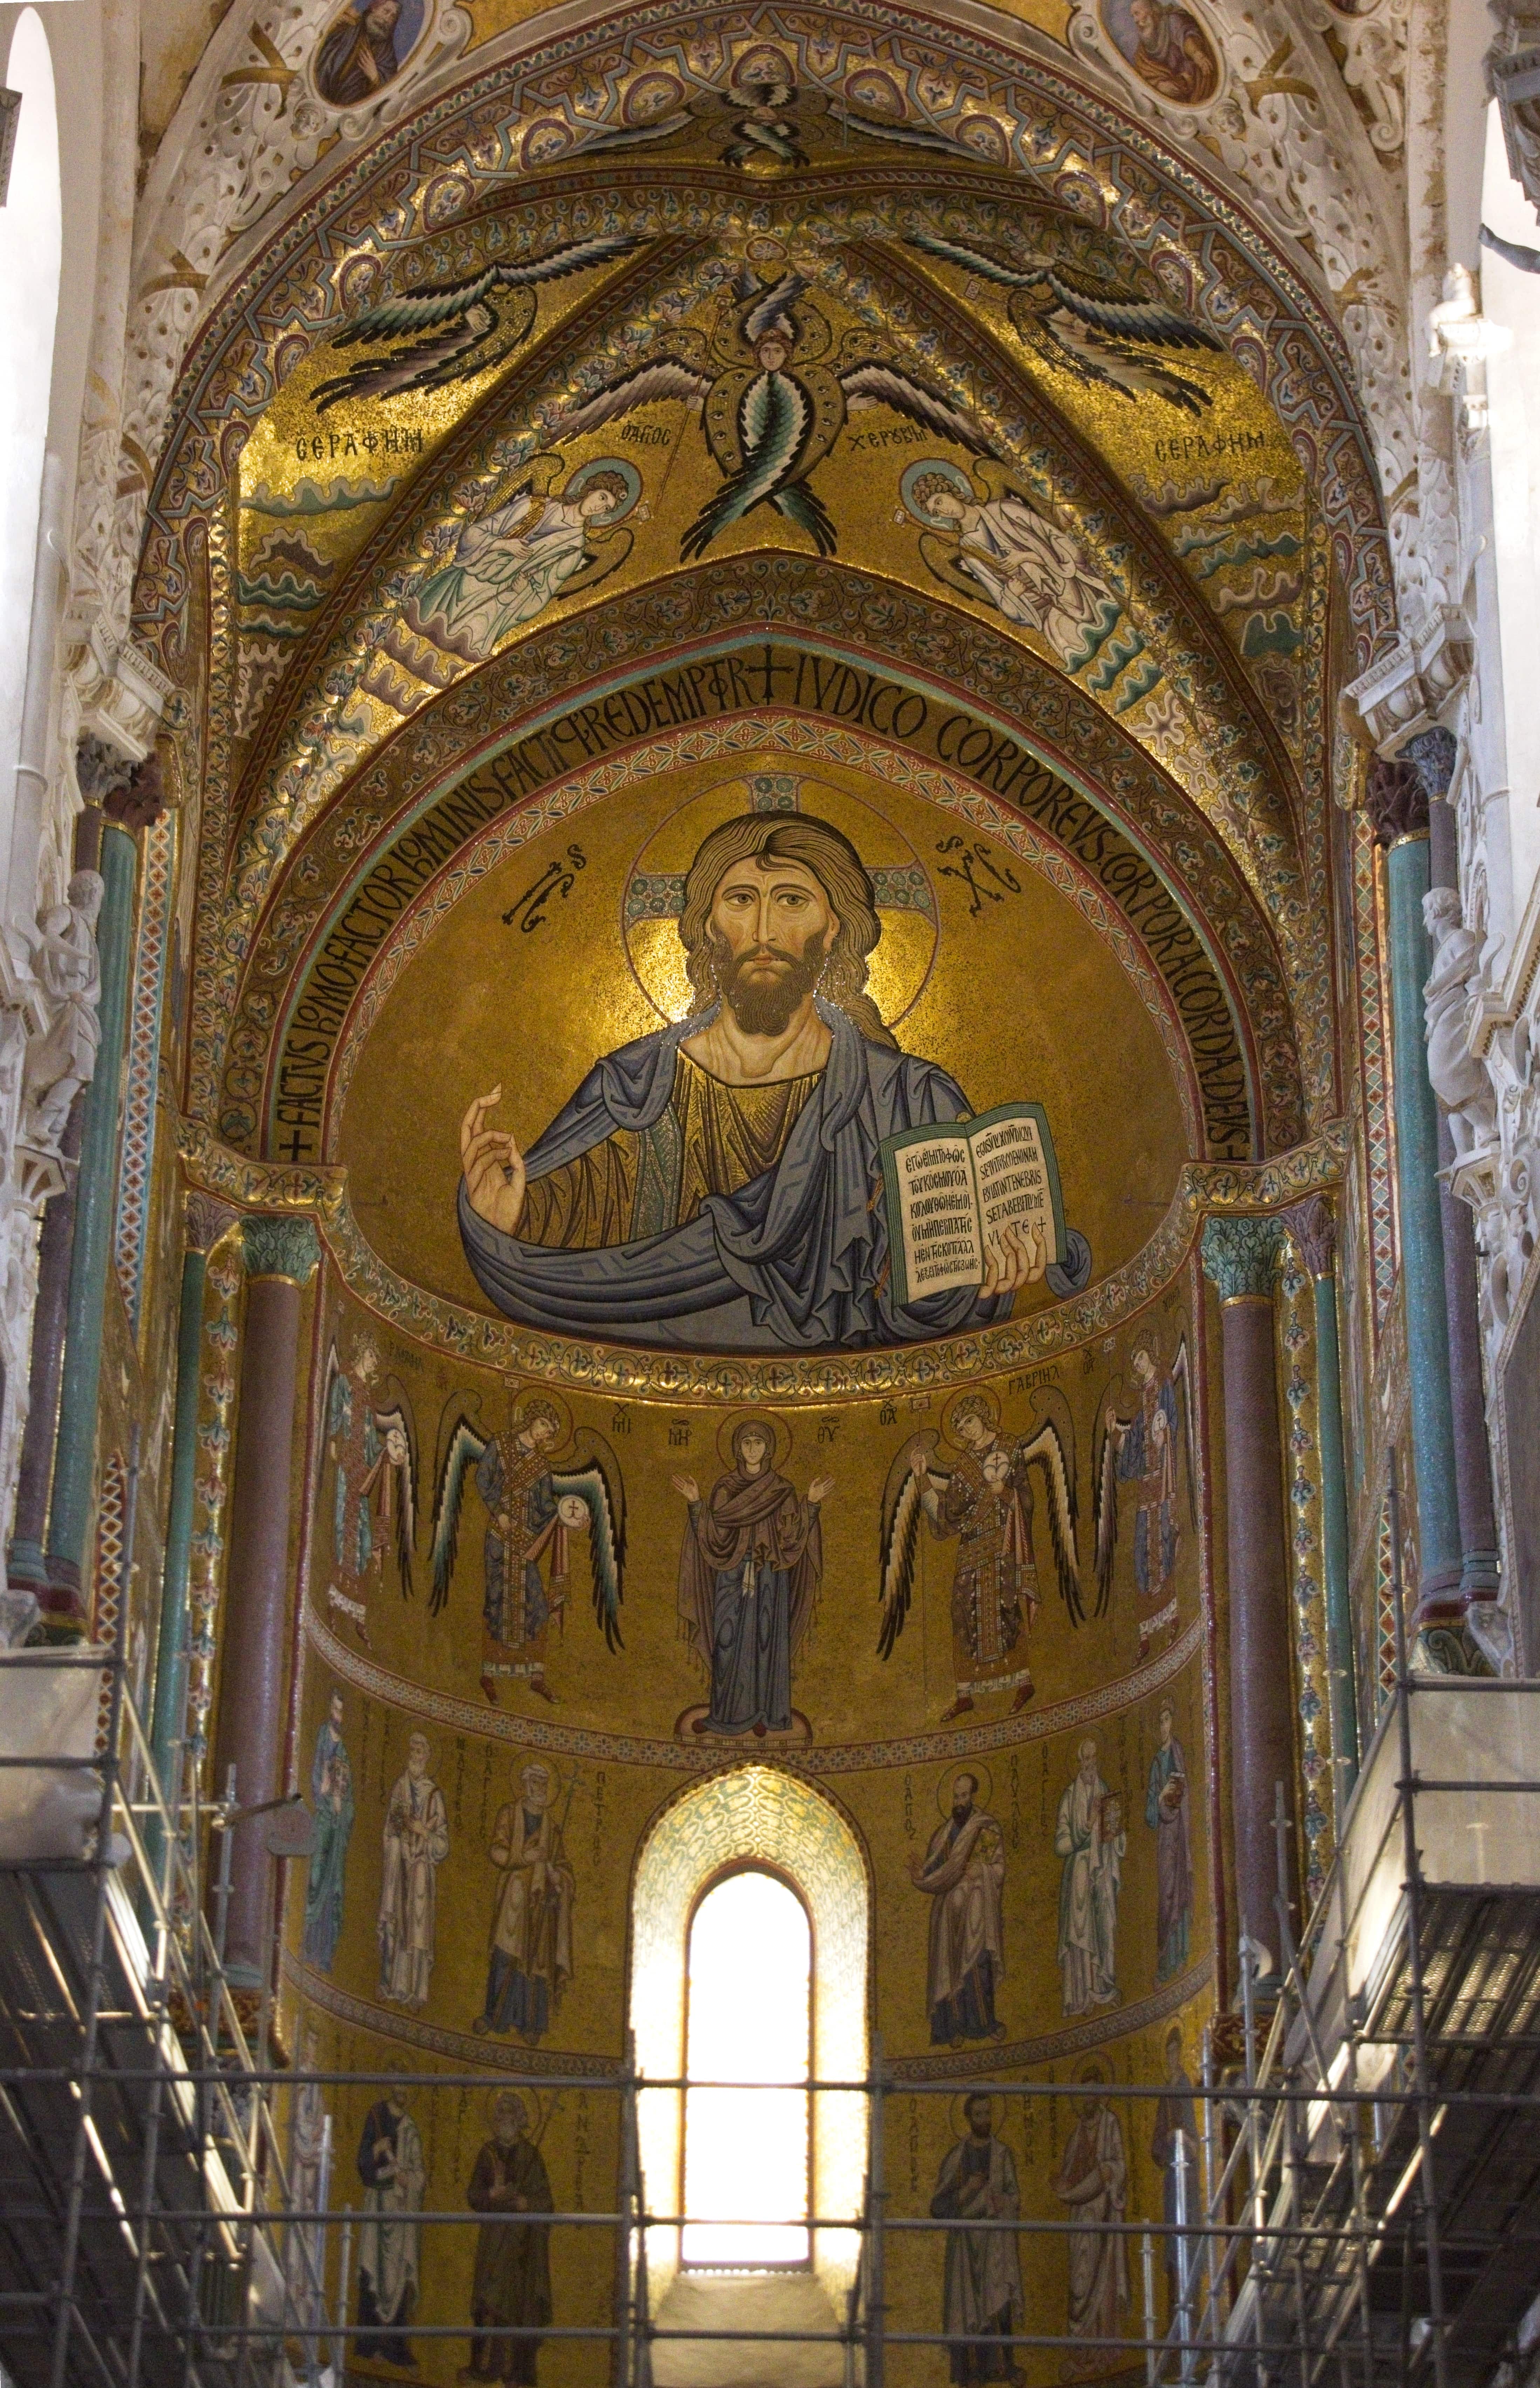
(1395,800)
(280,1245)
(100,768)
(208,1218)
(1240,1257)
(1314,1229)
(1432,755)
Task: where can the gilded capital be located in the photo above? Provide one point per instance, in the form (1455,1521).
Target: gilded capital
(1240,1256)
(208,1218)
(1314,1229)
(279,1245)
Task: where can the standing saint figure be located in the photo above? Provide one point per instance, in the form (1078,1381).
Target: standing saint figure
(63,1059)
(529,1964)
(1173,2113)
(748,1573)
(963,1873)
(394,2177)
(1143,1450)
(1166,1814)
(510,2288)
(304,2245)
(1092,2181)
(369,1446)
(983,2304)
(982,1500)
(1090,1838)
(331,1791)
(533,1511)
(416,1844)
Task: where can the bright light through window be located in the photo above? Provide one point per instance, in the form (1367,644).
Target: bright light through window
(746,2150)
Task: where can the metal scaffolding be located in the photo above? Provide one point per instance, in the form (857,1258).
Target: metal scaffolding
(1355,2201)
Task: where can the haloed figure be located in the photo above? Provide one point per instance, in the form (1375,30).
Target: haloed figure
(510,2288)
(983,2301)
(748,1575)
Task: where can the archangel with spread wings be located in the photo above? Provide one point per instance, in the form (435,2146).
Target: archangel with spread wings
(533,1509)
(981,1498)
(1102,332)
(371,1447)
(772,405)
(450,331)
(1142,1448)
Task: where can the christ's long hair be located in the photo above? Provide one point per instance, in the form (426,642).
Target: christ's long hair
(834,862)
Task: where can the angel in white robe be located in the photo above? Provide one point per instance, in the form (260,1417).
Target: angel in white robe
(999,545)
(510,564)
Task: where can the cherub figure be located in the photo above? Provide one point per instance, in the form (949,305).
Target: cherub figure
(533,1509)
(982,1500)
(371,1446)
(1143,1448)
(771,407)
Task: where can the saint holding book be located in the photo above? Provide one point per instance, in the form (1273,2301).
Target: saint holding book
(719,1182)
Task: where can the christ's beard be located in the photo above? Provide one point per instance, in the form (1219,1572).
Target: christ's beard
(765,1007)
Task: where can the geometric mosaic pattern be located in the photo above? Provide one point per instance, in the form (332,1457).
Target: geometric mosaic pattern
(144,1063)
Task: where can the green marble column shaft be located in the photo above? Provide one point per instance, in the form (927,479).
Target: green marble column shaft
(75,1451)
(1314,1231)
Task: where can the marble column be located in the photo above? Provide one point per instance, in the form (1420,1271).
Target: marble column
(281,1253)
(128,810)
(1315,1233)
(1432,755)
(1398,807)
(206,1221)
(26,1569)
(1240,1257)
(96,1182)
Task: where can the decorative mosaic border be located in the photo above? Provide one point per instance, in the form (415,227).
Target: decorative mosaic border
(794,735)
(455,1715)
(468,2049)
(147,1009)
(1116,2022)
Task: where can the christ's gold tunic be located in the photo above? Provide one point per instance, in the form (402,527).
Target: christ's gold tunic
(716,1139)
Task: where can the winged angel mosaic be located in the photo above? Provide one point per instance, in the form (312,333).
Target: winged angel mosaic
(540,1486)
(772,405)
(978,1493)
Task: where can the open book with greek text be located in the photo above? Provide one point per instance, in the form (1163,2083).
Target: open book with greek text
(952,1191)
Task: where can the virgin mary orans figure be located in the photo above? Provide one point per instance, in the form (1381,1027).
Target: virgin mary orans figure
(748,1575)
(717,1183)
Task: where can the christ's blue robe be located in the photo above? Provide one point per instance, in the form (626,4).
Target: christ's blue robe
(799,1256)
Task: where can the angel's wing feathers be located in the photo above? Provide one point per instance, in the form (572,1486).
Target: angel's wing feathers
(1107,1516)
(397,1420)
(1124,313)
(662,377)
(424,365)
(596,1481)
(466,1449)
(1047,1449)
(876,383)
(573,256)
(1182,1378)
(408,312)
(774,415)
(902,1516)
(803,506)
(1095,356)
(971,259)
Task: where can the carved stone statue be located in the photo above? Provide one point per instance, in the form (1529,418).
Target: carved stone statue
(60,1062)
(1459,1080)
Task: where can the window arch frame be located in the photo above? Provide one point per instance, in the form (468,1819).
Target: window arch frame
(771,1817)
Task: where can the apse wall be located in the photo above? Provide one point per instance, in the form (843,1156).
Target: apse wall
(1004,1579)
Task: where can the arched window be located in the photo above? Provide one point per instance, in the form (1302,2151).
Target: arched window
(748,2152)
(763,1851)
(31,237)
